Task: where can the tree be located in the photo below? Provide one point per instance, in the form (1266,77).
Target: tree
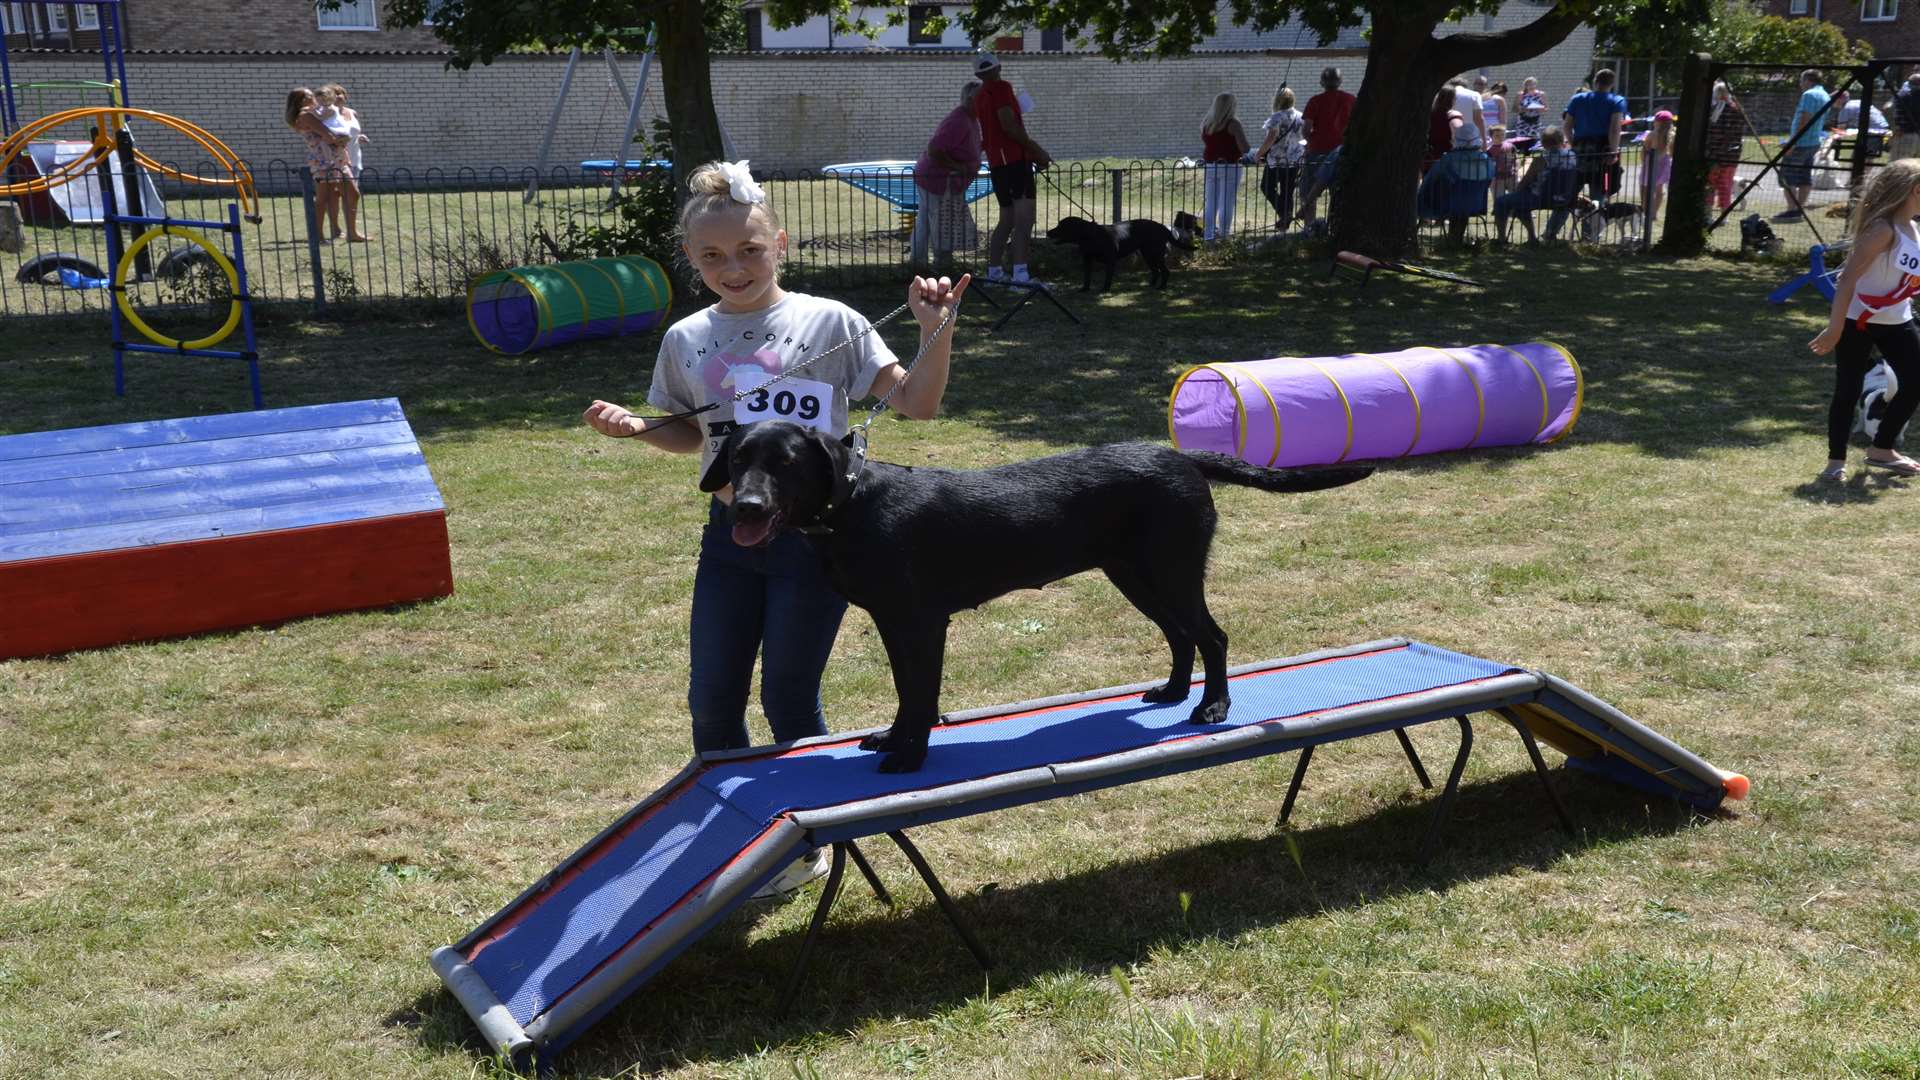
(480,30)
(1406,66)
(1733,31)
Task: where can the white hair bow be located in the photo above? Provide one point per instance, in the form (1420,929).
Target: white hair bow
(740,181)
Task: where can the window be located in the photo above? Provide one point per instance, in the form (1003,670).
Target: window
(86,17)
(433,12)
(917,32)
(349,15)
(1878,10)
(1796,7)
(56,18)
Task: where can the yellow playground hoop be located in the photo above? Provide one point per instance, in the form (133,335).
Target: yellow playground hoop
(133,318)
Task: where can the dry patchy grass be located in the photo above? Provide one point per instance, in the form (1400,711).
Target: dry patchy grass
(230,855)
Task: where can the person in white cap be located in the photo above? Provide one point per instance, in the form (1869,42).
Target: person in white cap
(1012,159)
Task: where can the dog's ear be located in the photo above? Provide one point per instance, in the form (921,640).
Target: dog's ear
(720,473)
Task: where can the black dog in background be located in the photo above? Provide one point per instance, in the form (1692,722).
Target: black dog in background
(913,546)
(1111,243)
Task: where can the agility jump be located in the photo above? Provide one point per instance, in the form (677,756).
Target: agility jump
(536,975)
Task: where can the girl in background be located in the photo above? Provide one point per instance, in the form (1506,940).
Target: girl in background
(1726,138)
(344,122)
(1224,143)
(1658,151)
(1873,306)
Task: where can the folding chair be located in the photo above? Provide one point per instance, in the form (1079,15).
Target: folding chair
(1560,188)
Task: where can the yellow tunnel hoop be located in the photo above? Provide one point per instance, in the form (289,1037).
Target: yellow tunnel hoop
(133,318)
(1273,410)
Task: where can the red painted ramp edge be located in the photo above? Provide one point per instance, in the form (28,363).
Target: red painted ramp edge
(85,601)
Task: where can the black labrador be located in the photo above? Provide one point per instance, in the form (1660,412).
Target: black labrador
(913,546)
(1111,243)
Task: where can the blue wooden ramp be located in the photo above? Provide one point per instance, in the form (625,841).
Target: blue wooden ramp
(583,938)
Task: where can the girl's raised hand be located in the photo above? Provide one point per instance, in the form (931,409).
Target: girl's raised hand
(1825,341)
(929,298)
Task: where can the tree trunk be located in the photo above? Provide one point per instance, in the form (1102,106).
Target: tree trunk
(1379,170)
(686,79)
(1373,211)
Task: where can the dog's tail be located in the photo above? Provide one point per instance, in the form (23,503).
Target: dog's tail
(1231,470)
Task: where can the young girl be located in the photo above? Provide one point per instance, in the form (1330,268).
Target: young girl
(1658,154)
(1223,144)
(772,598)
(1873,306)
(1501,152)
(1281,152)
(344,123)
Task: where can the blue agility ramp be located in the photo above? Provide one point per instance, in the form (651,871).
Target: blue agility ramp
(584,937)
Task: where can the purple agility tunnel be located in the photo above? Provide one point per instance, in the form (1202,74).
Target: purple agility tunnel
(533,307)
(1293,411)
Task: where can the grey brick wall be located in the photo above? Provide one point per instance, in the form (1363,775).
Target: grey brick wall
(787,111)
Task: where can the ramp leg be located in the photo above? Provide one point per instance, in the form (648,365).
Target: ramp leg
(940,894)
(827,896)
(1432,840)
(1413,757)
(1540,770)
(1293,789)
(866,871)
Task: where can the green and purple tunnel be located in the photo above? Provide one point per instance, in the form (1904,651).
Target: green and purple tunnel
(1292,411)
(535,307)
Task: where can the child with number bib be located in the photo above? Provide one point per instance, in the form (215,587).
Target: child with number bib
(757,592)
(1873,305)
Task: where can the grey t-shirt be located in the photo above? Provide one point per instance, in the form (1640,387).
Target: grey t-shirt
(703,353)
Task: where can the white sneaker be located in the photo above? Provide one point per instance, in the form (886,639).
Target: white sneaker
(997,274)
(808,867)
(1020,278)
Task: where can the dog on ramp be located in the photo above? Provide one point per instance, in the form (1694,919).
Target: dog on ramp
(913,546)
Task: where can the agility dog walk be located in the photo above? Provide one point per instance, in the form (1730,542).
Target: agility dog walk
(547,966)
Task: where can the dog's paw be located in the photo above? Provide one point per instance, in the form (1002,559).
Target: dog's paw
(1162,695)
(880,740)
(904,761)
(1214,713)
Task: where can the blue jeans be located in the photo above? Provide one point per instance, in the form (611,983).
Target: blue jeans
(774,601)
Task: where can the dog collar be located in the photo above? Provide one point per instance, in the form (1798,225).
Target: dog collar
(844,485)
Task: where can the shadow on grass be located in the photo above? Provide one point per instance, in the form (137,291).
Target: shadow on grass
(1679,357)
(716,1002)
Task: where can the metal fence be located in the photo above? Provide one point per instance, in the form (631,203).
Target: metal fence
(433,231)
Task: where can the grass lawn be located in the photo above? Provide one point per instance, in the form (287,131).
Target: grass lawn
(230,855)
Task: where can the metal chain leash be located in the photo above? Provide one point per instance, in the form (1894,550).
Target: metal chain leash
(802,366)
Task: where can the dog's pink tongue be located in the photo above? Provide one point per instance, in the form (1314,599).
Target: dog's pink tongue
(752,533)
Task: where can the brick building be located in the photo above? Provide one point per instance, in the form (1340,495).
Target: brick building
(213,25)
(1880,23)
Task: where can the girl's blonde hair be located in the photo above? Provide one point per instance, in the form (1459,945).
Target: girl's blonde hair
(1283,99)
(297,103)
(708,190)
(1221,114)
(1880,199)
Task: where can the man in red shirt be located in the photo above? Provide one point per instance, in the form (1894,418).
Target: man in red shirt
(1325,122)
(1012,159)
